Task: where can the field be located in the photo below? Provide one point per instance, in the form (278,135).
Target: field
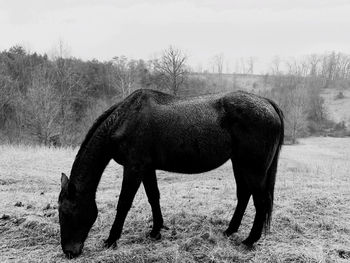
(311,219)
(337,108)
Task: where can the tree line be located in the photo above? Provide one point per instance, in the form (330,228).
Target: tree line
(53,101)
(298,86)
(57,99)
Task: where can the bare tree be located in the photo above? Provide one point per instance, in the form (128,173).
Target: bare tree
(124,75)
(172,65)
(251,61)
(296,114)
(275,65)
(218,61)
(69,86)
(329,67)
(314,63)
(243,65)
(10,117)
(41,108)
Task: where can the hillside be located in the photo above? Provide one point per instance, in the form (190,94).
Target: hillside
(338,109)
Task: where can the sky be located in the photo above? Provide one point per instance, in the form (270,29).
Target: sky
(103,29)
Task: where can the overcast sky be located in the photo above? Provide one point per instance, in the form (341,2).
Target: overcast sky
(103,29)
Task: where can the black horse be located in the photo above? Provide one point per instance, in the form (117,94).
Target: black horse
(151,130)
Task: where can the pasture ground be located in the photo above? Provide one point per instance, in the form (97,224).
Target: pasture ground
(311,219)
(337,109)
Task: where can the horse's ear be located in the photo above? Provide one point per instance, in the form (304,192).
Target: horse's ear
(64,180)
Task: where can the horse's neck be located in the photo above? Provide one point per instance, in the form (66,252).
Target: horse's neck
(89,165)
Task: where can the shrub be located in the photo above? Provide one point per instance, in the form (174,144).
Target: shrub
(339,96)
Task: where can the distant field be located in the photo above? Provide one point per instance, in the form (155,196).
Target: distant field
(311,219)
(338,109)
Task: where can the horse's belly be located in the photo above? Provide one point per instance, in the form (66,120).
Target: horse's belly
(193,151)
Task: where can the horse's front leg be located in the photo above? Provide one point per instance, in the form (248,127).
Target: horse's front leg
(131,181)
(152,191)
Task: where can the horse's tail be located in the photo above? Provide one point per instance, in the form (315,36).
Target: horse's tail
(272,170)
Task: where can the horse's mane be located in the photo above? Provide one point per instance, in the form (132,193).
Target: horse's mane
(109,111)
(94,127)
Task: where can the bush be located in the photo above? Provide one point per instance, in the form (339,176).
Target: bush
(339,96)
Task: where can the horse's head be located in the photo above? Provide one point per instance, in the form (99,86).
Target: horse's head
(77,214)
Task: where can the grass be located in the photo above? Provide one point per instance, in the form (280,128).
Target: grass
(311,219)
(337,108)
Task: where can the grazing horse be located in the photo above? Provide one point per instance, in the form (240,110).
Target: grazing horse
(151,130)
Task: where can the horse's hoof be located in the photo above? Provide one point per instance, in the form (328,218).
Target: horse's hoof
(226,234)
(248,243)
(109,244)
(155,236)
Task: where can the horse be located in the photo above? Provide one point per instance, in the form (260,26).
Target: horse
(150,130)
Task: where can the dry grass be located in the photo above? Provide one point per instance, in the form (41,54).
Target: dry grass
(311,220)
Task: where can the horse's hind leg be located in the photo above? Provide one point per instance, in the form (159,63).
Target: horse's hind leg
(152,191)
(131,182)
(261,203)
(243,195)
(250,181)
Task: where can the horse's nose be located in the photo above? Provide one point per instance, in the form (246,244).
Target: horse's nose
(73,251)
